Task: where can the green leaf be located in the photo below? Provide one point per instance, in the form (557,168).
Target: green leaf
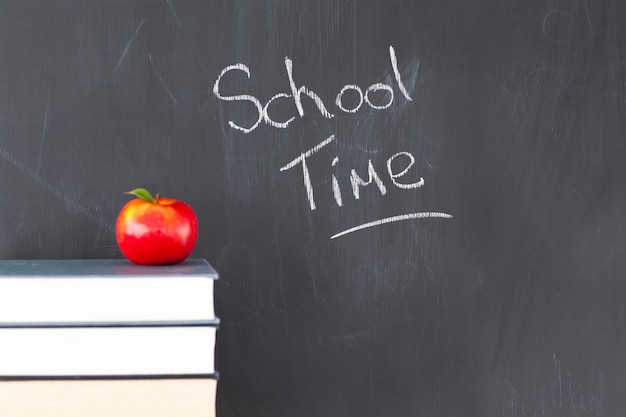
(141,193)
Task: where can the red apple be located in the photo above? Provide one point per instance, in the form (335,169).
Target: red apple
(156,231)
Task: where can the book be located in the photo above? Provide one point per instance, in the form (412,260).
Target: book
(191,397)
(107,338)
(105,351)
(92,291)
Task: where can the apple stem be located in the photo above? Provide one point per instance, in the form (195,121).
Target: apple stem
(156,199)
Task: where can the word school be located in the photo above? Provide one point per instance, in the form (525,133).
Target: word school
(297,92)
(355,179)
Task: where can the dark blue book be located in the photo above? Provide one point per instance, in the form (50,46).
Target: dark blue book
(60,293)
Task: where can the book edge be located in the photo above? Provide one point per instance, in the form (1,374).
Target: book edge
(10,268)
(215,322)
(6,378)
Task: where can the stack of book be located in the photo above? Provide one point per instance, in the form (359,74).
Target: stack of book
(107,338)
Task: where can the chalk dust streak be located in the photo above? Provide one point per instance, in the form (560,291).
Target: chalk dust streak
(71,205)
(130,42)
(167,90)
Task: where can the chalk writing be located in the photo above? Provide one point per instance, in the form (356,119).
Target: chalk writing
(305,170)
(298,92)
(358,181)
(393,219)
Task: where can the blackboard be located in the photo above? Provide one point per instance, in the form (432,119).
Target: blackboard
(480,272)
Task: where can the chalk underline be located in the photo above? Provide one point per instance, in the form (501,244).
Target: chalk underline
(401,217)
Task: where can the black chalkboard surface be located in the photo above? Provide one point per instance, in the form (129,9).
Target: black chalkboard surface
(417,208)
